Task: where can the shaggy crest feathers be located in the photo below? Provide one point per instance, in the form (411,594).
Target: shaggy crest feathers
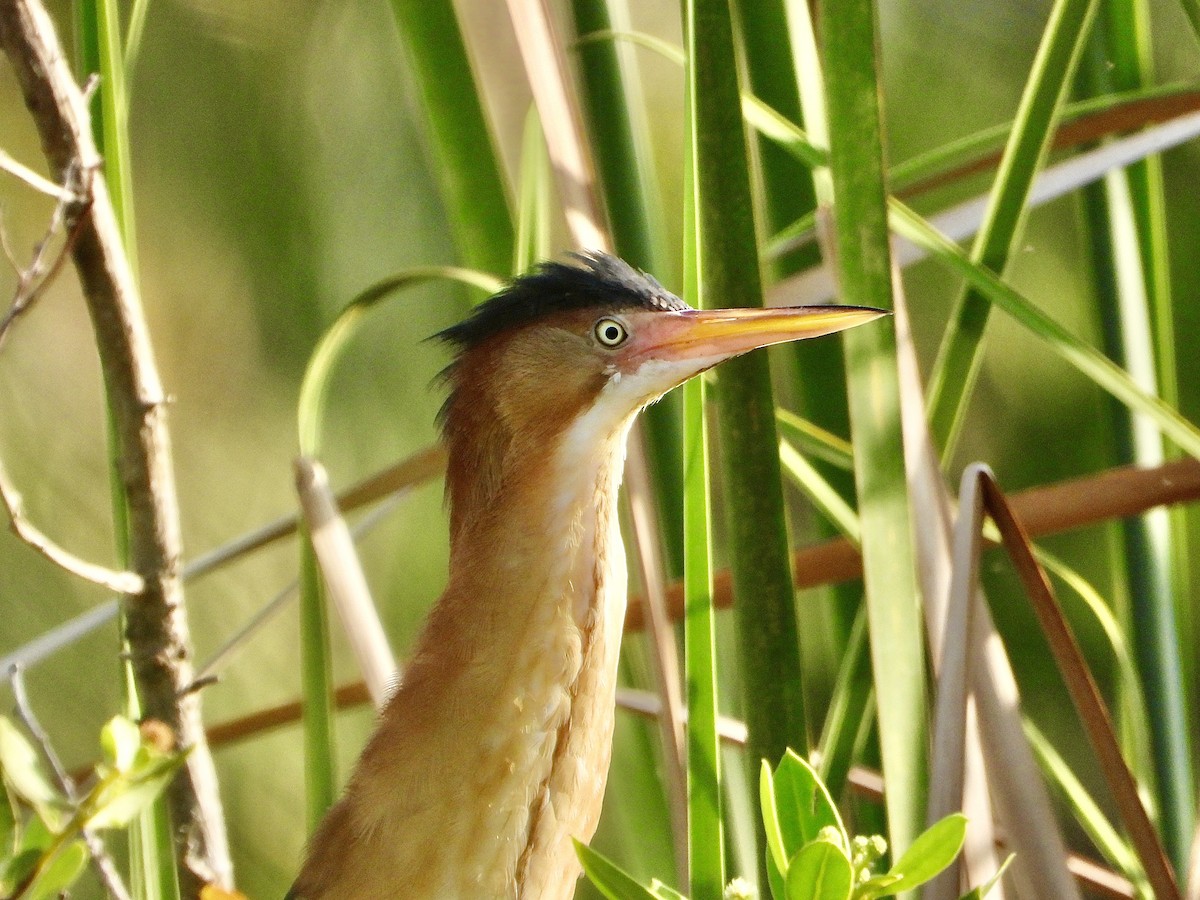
(597,280)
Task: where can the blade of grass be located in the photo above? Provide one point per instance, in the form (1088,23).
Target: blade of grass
(962,220)
(706,846)
(705,837)
(1129,217)
(893,602)
(344,580)
(614,108)
(466,161)
(938,571)
(848,706)
(1106,374)
(764,616)
(784,185)
(1132,700)
(815,441)
(1079,122)
(617,124)
(961,352)
(835,510)
(534,219)
(1087,811)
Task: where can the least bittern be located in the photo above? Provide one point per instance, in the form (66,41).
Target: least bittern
(493,751)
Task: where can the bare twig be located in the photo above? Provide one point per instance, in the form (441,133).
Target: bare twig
(116,581)
(105,868)
(41,271)
(156,622)
(34,180)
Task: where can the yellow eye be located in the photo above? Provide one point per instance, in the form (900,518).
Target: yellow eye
(611,333)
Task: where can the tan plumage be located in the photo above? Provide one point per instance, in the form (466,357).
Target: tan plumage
(493,752)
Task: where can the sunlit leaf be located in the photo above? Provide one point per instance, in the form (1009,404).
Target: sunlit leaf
(23,769)
(777,855)
(803,805)
(115,802)
(616,884)
(932,851)
(820,871)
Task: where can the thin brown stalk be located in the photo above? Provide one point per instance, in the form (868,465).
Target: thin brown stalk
(948,764)
(1086,129)
(1051,509)
(663,652)
(1082,688)
(156,622)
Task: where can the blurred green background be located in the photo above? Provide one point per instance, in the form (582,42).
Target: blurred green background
(280,166)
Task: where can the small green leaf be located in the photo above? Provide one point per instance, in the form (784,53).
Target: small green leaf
(616,884)
(933,850)
(60,874)
(820,871)
(120,740)
(114,803)
(803,805)
(23,771)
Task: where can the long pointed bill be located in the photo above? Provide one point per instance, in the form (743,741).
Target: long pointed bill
(713,335)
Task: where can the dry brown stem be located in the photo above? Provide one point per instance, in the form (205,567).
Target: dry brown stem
(156,623)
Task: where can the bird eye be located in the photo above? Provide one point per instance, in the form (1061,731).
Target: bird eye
(611,333)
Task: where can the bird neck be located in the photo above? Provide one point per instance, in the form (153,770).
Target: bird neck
(524,644)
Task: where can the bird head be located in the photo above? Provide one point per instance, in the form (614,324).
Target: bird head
(595,339)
